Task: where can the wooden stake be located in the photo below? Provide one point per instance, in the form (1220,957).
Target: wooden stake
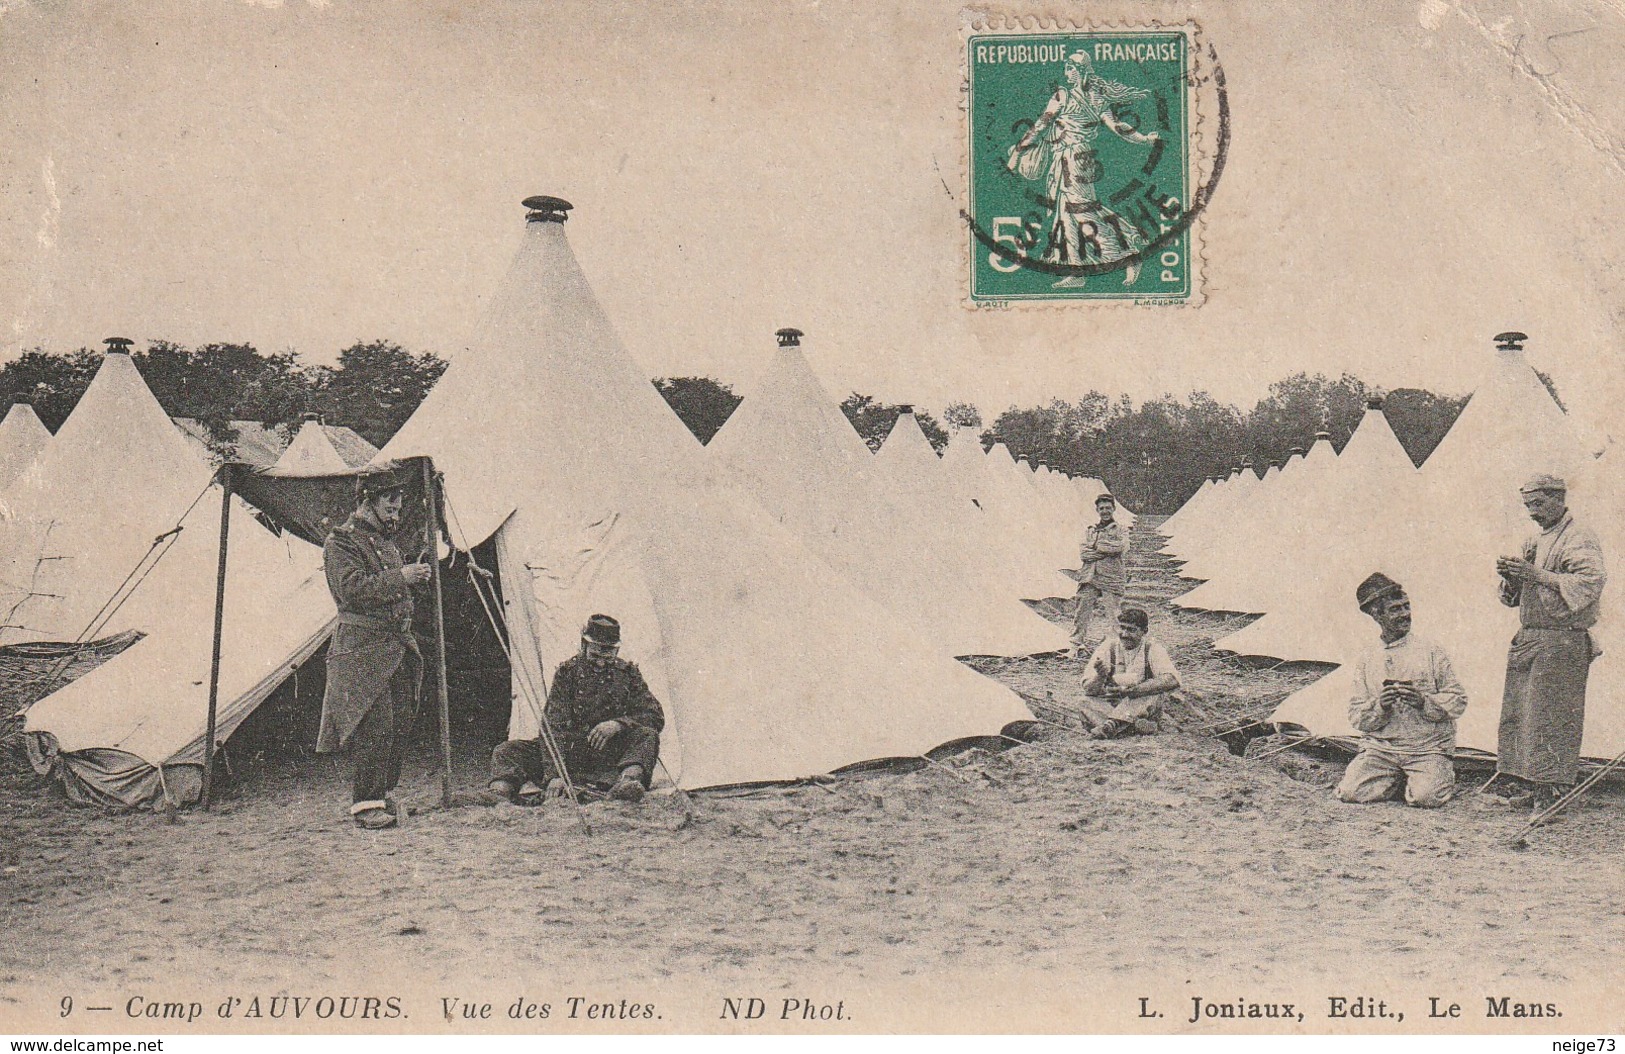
(1562,803)
(431,506)
(226,477)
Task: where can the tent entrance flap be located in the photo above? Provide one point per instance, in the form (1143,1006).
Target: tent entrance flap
(309,506)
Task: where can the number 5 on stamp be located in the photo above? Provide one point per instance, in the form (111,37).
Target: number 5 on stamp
(1084,151)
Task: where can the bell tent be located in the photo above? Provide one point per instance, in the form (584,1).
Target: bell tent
(770,666)
(791,447)
(22,437)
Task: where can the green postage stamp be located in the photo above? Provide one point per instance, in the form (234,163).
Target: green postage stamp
(1087,170)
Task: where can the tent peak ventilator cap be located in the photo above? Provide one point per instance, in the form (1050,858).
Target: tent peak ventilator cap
(544,208)
(118,345)
(789,337)
(1510,341)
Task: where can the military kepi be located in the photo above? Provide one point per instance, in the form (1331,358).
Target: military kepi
(601,629)
(1544,481)
(372,482)
(1377,586)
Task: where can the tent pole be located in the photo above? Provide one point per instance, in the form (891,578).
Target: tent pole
(226,476)
(431,501)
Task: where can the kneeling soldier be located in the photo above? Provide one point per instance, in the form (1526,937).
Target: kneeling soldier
(603,717)
(1405,703)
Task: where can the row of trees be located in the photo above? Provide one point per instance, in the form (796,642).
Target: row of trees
(373,388)
(1153,455)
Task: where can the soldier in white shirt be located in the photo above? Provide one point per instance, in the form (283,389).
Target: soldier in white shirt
(1128,679)
(1405,704)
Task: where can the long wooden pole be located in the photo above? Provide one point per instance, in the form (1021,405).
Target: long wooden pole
(226,475)
(431,504)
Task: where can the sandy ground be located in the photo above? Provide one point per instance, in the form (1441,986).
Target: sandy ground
(1088,863)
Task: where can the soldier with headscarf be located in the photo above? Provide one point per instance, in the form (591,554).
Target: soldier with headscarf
(1556,584)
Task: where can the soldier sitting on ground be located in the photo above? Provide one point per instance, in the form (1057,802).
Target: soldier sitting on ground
(1128,679)
(603,718)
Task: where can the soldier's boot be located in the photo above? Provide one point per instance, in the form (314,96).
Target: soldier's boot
(629,788)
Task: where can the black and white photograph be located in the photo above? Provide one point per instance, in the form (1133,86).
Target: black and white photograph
(818,517)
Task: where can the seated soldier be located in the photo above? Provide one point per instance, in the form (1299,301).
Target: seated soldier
(1132,675)
(603,718)
(1405,704)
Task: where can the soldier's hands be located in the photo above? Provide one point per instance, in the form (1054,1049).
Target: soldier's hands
(415,574)
(602,733)
(1516,570)
(1402,694)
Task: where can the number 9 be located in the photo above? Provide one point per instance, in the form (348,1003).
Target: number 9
(67,1005)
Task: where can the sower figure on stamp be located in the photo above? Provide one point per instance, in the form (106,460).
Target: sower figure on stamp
(1059,149)
(374,668)
(1556,584)
(603,718)
(1101,577)
(1405,704)
(1131,675)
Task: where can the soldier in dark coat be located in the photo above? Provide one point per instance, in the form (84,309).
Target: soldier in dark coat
(603,717)
(374,668)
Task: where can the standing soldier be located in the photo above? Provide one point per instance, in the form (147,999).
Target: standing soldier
(1556,584)
(374,668)
(1102,576)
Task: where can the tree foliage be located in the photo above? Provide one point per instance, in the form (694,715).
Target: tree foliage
(1155,455)
(874,420)
(961,415)
(52,382)
(373,389)
(1420,419)
(704,405)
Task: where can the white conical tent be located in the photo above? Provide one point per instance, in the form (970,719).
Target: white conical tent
(85,514)
(22,437)
(1468,513)
(769,666)
(794,450)
(1355,522)
(906,462)
(1028,521)
(1169,528)
(908,466)
(133,729)
(311,453)
(1031,574)
(116,476)
(1197,526)
(1239,568)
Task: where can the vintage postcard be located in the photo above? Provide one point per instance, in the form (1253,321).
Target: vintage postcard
(818,517)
